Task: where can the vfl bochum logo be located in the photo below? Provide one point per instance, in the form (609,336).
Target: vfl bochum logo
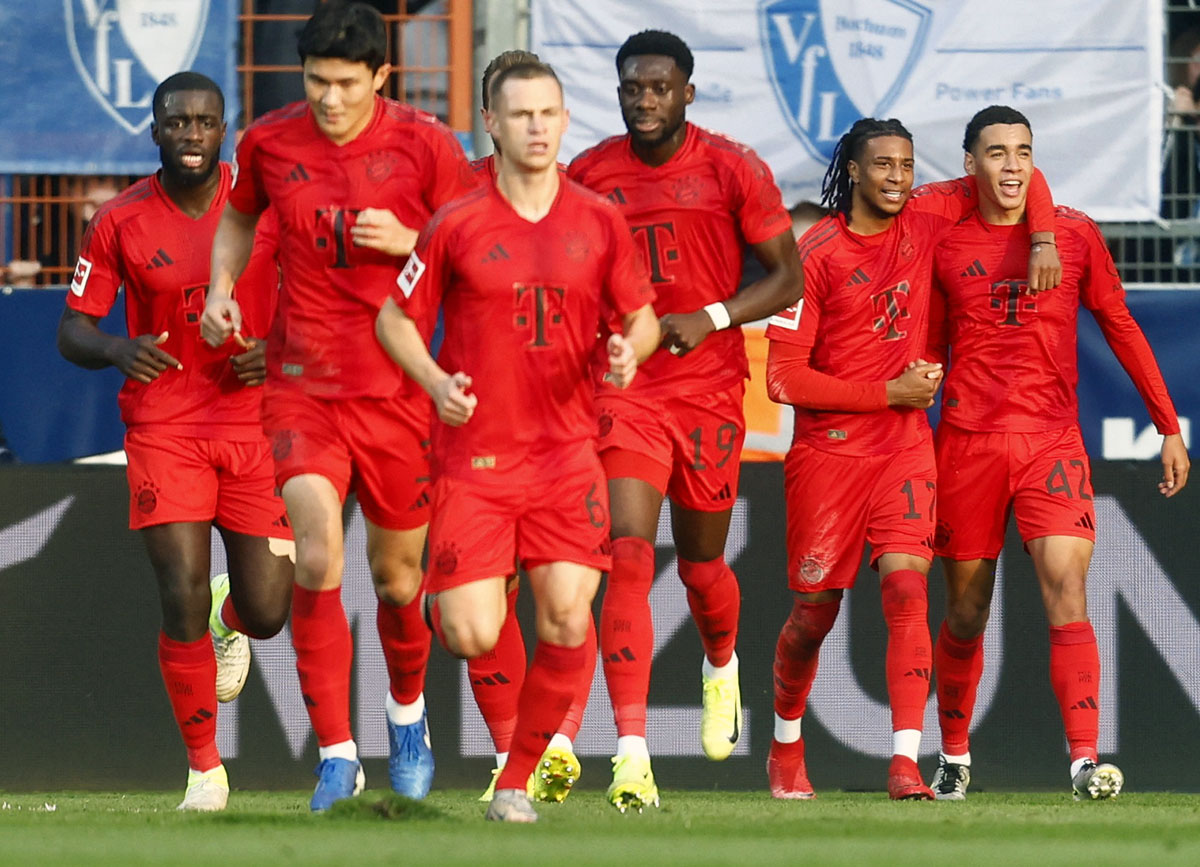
(124,48)
(831,62)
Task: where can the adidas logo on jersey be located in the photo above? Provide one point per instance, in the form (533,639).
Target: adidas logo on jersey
(159,260)
(298,173)
(858,278)
(975,270)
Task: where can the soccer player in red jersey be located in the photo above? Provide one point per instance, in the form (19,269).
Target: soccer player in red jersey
(524,271)
(861,463)
(349,172)
(197,457)
(694,200)
(497,676)
(1009,440)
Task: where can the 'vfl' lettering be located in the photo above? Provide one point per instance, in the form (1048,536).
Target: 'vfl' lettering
(660,248)
(538,308)
(890,306)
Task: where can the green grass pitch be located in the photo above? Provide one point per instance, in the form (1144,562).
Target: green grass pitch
(693,828)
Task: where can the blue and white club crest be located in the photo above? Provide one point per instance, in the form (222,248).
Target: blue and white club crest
(124,48)
(833,61)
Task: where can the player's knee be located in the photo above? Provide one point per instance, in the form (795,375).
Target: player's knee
(397,583)
(469,637)
(905,590)
(314,564)
(966,619)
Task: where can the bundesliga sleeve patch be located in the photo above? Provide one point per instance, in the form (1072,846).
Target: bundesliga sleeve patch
(413,269)
(83,270)
(789,318)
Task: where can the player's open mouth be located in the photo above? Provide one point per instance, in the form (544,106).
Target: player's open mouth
(892,195)
(1010,188)
(192,161)
(646,124)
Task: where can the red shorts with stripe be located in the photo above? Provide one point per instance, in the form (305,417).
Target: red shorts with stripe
(836,502)
(555,509)
(377,447)
(177,479)
(1044,478)
(688,447)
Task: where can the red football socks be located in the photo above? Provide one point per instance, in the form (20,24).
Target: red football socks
(324,651)
(909,655)
(1075,677)
(958,664)
(627,632)
(405,641)
(189,672)
(229,617)
(715,599)
(497,676)
(796,654)
(550,686)
(574,718)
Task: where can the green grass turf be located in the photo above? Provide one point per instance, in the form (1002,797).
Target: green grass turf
(691,828)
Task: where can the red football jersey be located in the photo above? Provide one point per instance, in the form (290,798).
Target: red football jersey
(405,161)
(142,241)
(692,217)
(1013,355)
(522,305)
(865,315)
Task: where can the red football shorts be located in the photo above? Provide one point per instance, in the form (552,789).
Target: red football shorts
(689,446)
(555,509)
(1045,478)
(835,502)
(377,447)
(176,479)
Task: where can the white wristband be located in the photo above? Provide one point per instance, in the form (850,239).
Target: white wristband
(719,314)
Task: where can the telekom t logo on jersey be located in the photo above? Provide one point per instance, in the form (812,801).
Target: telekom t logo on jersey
(660,248)
(1011,297)
(890,307)
(538,308)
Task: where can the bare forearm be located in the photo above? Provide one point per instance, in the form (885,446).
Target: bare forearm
(782,287)
(82,343)
(231,249)
(643,332)
(402,341)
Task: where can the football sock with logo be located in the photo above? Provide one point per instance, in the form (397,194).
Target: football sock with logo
(716,600)
(1075,677)
(405,641)
(957,667)
(324,650)
(496,678)
(796,654)
(189,672)
(909,655)
(574,718)
(627,632)
(550,686)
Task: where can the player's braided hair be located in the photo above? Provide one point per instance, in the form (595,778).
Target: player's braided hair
(835,189)
(988,116)
(657,42)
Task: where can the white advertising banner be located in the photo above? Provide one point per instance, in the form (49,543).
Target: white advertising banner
(788,77)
